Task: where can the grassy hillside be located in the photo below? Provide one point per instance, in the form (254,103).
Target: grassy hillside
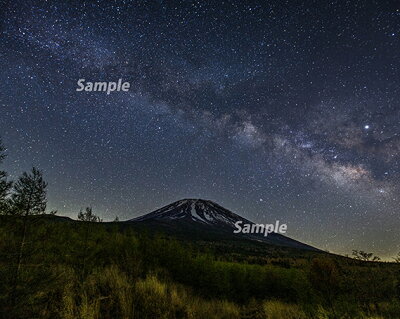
(96,270)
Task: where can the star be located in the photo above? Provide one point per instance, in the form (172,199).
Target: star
(226,102)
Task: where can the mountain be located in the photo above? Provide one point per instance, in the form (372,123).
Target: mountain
(206,219)
(195,210)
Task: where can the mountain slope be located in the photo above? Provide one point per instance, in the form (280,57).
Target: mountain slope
(207,219)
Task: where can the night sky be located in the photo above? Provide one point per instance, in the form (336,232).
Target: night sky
(283,110)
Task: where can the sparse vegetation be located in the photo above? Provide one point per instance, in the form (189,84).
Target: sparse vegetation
(364,256)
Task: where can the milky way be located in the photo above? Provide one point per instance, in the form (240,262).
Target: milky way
(275,110)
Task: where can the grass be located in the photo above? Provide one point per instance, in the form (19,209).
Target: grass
(94,271)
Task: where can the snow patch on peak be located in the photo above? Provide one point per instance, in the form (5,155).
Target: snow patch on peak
(194,213)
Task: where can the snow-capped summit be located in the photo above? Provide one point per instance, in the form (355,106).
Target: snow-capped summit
(204,217)
(196,210)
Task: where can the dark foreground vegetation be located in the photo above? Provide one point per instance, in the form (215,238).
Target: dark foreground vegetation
(53,267)
(96,270)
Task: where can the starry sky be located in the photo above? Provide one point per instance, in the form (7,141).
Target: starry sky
(283,110)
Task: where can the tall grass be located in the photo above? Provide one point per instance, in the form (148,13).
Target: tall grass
(109,293)
(105,293)
(280,310)
(155,299)
(120,275)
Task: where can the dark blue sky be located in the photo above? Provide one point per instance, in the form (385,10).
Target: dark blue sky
(275,110)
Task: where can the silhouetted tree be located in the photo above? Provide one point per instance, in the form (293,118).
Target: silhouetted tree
(28,199)
(5,185)
(88,217)
(397,258)
(364,256)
